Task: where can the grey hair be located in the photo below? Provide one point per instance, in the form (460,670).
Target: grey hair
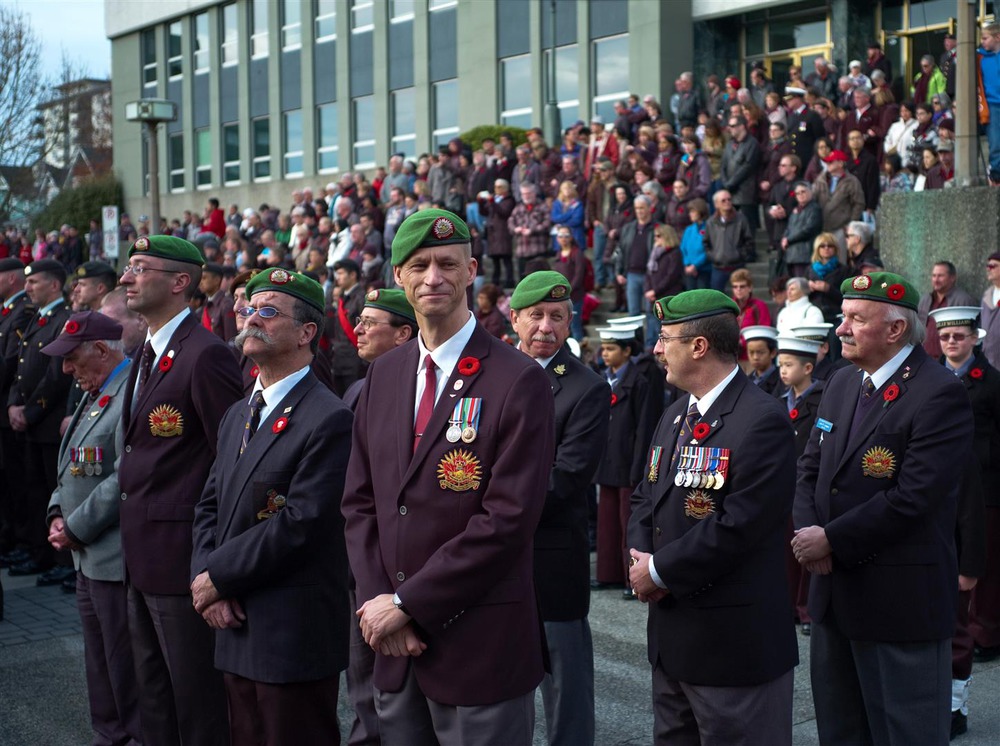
(644,199)
(114,345)
(864,90)
(656,189)
(689,76)
(863,230)
(928,58)
(529,186)
(801,282)
(916,331)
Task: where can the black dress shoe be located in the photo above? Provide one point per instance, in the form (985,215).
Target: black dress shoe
(597,585)
(629,595)
(55,576)
(69,585)
(16,557)
(806,629)
(27,568)
(981,655)
(959,724)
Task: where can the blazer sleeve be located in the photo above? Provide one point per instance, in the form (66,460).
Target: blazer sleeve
(216,364)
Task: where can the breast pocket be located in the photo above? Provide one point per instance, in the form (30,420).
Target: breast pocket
(882,456)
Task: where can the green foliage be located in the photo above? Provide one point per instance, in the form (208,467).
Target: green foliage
(79,205)
(474,137)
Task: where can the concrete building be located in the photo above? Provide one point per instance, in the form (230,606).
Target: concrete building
(276,94)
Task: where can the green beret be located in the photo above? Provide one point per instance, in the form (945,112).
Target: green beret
(537,287)
(393,301)
(291,283)
(427,228)
(167,247)
(693,304)
(885,287)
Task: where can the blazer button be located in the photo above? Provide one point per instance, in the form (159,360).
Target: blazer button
(834,491)
(400,576)
(659,531)
(123,496)
(402,510)
(128,449)
(21,360)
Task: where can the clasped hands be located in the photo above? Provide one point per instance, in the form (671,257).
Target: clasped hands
(642,582)
(388,630)
(812,550)
(218,612)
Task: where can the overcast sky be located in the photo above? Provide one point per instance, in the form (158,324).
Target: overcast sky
(76,26)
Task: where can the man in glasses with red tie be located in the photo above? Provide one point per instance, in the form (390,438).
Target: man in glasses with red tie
(453,447)
(269,566)
(182,383)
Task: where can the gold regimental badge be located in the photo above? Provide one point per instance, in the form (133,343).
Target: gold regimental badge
(459,470)
(698,504)
(166,421)
(275,503)
(878,462)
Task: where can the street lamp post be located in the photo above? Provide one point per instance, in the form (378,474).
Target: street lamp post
(551,124)
(152,112)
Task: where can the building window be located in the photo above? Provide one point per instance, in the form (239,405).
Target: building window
(439,4)
(175,148)
(404,122)
(199,45)
(258,38)
(231,154)
(567,79)
(261,149)
(291,25)
(202,158)
(293,143)
(326,20)
(230,35)
(148,44)
(174,61)
(327,139)
(445,125)
(400,10)
(610,75)
(363,122)
(515,91)
(362,15)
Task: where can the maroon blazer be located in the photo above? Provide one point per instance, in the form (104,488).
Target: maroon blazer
(165,460)
(461,561)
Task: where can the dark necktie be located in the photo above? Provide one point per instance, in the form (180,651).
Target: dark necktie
(426,408)
(145,364)
(693,415)
(253,419)
(865,402)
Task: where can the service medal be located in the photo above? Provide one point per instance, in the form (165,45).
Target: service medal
(679,479)
(89,470)
(719,481)
(709,481)
(454,434)
(655,455)
(468,434)
(688,478)
(98,469)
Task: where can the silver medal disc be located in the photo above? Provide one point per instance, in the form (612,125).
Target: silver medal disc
(454,434)
(89,470)
(719,480)
(679,479)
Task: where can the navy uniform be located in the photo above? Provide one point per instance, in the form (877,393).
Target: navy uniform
(770,380)
(41,387)
(348,367)
(805,126)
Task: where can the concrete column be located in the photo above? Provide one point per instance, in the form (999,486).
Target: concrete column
(966,115)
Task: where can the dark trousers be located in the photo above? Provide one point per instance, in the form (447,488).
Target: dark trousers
(301,713)
(798,578)
(360,690)
(507,262)
(984,616)
(111,687)
(40,464)
(12,498)
(182,699)
(961,644)
(614,507)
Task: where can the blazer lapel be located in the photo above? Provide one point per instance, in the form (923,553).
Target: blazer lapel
(405,407)
(257,448)
(555,377)
(92,414)
(157,374)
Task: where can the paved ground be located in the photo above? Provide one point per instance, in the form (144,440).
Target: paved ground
(43,690)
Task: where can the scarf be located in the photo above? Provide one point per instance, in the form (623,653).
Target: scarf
(920,87)
(823,270)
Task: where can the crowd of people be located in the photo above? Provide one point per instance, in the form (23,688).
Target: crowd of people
(358,434)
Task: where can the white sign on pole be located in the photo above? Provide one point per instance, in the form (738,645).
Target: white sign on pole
(109,224)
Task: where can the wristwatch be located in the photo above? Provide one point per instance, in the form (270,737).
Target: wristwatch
(399,604)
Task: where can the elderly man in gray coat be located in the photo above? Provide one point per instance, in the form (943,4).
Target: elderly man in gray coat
(83,517)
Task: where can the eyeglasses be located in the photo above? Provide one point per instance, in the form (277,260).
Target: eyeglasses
(564,235)
(367,323)
(946,337)
(991,265)
(828,246)
(138,269)
(265,312)
(725,199)
(664,339)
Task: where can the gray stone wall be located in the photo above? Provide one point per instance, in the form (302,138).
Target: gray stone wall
(961,225)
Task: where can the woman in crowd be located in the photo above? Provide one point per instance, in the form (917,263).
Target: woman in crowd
(894,177)
(821,150)
(487,312)
(757,124)
(923,134)
(941,105)
(496,209)
(753,312)
(864,166)
(677,206)
(804,224)
(825,275)
(774,109)
(621,213)
(695,168)
(900,135)
(667,159)
(571,264)
(798,310)
(713,144)
(664,274)
(697,268)
(567,210)
(860,251)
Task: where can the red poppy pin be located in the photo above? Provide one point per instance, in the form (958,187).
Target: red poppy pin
(701,430)
(43,321)
(976,373)
(279,424)
(166,362)
(103,401)
(896,292)
(254,372)
(890,394)
(71,327)
(468,366)
(6,312)
(794,414)
(614,399)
